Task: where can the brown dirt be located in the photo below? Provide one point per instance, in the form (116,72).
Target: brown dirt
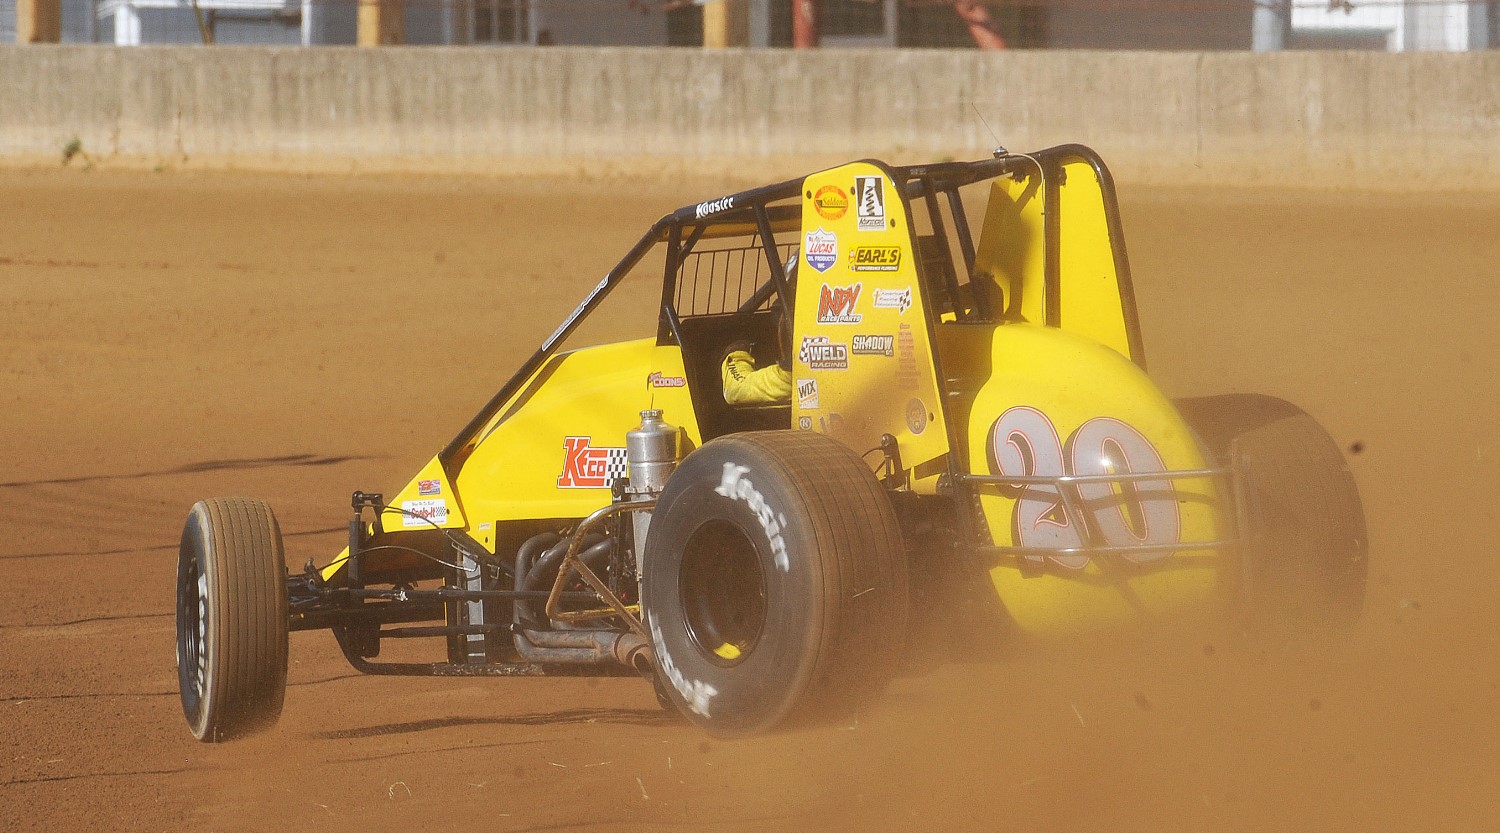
(168,337)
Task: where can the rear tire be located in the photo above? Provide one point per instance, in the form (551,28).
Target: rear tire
(1304,558)
(774,583)
(231,619)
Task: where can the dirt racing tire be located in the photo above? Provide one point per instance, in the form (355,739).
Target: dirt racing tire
(774,583)
(231,619)
(1303,562)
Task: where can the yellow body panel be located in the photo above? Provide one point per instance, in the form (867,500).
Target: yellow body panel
(1088,298)
(552,452)
(863,364)
(1057,403)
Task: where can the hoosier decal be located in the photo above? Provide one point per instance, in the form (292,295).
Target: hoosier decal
(588,467)
(836,304)
(818,353)
(874,346)
(704,209)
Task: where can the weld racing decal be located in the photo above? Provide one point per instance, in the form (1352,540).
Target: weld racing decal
(586,466)
(836,304)
(818,353)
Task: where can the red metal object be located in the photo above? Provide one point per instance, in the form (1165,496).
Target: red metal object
(804,24)
(981,25)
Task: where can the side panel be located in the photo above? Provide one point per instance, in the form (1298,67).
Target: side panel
(555,451)
(1056,404)
(863,364)
(1050,242)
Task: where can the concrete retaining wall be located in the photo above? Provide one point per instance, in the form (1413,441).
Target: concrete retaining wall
(1325,118)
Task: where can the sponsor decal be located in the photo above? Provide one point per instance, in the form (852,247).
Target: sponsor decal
(874,346)
(429,487)
(822,249)
(907,376)
(485,525)
(875,258)
(819,353)
(734,485)
(421,512)
(831,202)
(704,209)
(807,394)
(896,299)
(804,423)
(869,196)
(657,380)
(697,694)
(586,466)
(916,416)
(836,304)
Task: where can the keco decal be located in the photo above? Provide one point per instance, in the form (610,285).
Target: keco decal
(588,467)
(657,380)
(874,346)
(869,195)
(713,207)
(831,202)
(429,487)
(896,299)
(875,258)
(819,353)
(424,513)
(836,305)
(822,249)
(916,416)
(807,394)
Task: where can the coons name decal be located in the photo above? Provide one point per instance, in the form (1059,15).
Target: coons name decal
(586,466)
(658,380)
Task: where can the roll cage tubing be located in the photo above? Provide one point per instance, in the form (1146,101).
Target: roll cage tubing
(925,182)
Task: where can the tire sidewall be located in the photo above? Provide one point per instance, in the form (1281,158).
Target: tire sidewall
(731,482)
(200,707)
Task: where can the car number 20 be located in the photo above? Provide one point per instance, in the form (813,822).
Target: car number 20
(1024,443)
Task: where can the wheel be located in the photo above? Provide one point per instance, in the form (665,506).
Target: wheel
(1303,560)
(774,582)
(231,619)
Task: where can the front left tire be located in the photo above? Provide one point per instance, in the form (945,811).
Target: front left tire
(231,619)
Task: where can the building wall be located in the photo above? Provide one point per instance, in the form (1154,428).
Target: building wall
(1348,117)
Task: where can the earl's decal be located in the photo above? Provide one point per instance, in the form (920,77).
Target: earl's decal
(875,258)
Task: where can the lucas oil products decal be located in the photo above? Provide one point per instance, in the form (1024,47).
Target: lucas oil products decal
(869,200)
(819,353)
(822,249)
(586,466)
(836,304)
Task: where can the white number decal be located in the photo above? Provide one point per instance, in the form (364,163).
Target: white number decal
(1024,443)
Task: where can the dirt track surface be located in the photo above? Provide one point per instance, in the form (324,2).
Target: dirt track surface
(169,337)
